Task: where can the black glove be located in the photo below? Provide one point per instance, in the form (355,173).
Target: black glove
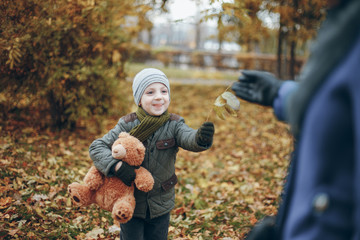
(257,87)
(205,134)
(126,173)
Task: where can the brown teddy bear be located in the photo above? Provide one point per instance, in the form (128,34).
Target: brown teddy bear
(110,193)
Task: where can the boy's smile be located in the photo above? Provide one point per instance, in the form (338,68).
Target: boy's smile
(155,99)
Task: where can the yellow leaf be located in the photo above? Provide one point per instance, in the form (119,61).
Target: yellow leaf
(116,56)
(220,111)
(226,103)
(39,212)
(220,101)
(68,202)
(231,111)
(231,100)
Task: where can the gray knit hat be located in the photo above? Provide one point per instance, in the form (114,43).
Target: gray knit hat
(146,77)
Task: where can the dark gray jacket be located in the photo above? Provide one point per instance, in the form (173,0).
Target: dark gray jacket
(160,156)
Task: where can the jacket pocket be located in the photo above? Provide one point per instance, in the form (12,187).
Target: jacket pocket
(165,144)
(170,183)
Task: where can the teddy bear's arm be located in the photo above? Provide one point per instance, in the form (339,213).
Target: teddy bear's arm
(94,178)
(144,181)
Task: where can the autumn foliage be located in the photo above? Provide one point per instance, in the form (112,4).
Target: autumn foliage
(64,56)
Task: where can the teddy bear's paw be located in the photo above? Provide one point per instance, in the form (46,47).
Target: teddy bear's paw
(145,187)
(80,195)
(75,198)
(123,215)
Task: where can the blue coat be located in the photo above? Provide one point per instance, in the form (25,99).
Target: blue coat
(322,198)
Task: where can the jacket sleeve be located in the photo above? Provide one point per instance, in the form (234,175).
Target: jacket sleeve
(100,150)
(281,100)
(185,137)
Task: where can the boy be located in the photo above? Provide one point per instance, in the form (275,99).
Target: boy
(162,134)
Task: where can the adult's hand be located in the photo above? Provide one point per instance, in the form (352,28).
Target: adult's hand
(257,87)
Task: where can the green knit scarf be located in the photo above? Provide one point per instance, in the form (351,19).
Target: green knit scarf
(148,124)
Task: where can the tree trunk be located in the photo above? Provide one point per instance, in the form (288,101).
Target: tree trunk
(197,35)
(292,59)
(293,42)
(150,36)
(57,110)
(220,33)
(279,51)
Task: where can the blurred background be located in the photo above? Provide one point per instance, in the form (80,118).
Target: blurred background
(65,57)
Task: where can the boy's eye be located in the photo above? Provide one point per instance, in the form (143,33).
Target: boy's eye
(149,92)
(164,91)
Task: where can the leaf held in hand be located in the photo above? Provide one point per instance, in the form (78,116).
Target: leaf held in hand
(231,100)
(226,103)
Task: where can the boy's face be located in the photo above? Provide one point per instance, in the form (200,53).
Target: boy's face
(155,99)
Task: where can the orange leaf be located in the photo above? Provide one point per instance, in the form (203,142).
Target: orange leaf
(5,202)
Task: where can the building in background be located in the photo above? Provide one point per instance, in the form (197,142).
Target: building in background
(181,28)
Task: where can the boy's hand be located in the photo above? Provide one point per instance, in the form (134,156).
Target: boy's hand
(257,87)
(205,134)
(125,172)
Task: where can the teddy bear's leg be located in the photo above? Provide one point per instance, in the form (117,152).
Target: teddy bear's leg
(144,180)
(123,209)
(80,194)
(94,178)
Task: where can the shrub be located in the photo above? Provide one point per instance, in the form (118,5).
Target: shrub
(67,55)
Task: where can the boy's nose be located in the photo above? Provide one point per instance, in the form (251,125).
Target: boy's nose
(157,96)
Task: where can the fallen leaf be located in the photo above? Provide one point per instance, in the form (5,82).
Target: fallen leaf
(93,234)
(5,202)
(12,232)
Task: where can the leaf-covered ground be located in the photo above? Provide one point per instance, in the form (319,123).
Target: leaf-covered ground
(221,192)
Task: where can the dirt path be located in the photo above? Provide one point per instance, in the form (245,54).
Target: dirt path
(198,81)
(202,82)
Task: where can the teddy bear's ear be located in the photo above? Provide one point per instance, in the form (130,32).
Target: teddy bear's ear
(124,135)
